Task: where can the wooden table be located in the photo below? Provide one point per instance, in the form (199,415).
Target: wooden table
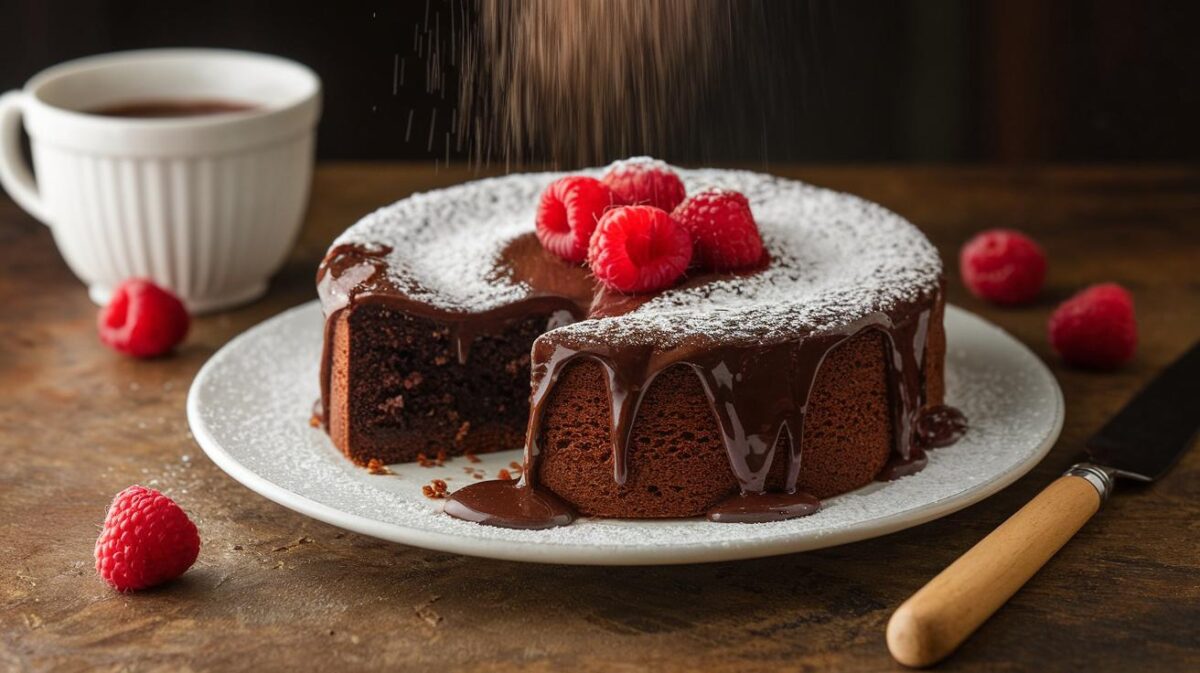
(274,590)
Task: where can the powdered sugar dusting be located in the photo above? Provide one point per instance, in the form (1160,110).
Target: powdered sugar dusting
(835,258)
(446,243)
(650,163)
(248,409)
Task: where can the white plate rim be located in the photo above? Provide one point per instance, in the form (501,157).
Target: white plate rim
(583,554)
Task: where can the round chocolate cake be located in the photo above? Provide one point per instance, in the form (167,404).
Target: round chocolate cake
(744,396)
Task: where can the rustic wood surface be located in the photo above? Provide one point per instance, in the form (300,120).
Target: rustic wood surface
(274,590)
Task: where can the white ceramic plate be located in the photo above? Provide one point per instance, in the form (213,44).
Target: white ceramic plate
(249,410)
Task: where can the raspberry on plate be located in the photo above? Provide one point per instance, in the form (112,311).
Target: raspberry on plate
(1096,328)
(639,249)
(567,215)
(142,320)
(1003,266)
(645,181)
(146,540)
(723,230)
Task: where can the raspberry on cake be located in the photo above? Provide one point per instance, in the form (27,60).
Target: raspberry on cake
(568,212)
(742,397)
(723,230)
(645,181)
(639,249)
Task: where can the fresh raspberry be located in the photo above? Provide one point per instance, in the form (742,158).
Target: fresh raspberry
(567,215)
(645,181)
(639,249)
(723,230)
(1096,328)
(142,320)
(147,539)
(1003,266)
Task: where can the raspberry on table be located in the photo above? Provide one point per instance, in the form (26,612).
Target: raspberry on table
(723,230)
(567,215)
(639,249)
(146,540)
(142,320)
(645,181)
(1096,328)
(1003,266)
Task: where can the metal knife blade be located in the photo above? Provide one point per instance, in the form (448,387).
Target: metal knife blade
(1157,426)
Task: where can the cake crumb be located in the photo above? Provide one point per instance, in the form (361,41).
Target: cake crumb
(376,466)
(471,458)
(503,474)
(413,380)
(435,489)
(440,360)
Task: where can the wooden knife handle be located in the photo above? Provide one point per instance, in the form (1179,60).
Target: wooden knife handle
(939,617)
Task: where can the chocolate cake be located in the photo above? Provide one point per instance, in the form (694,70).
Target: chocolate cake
(746,397)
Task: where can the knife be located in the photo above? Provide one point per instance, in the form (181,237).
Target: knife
(1141,443)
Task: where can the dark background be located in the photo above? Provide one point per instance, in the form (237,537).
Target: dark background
(907,80)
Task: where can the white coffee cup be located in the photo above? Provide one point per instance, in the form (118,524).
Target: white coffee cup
(207,205)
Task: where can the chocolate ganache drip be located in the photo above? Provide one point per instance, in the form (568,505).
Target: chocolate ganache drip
(758,394)
(757,387)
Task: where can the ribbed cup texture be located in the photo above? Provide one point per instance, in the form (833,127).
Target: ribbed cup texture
(210,228)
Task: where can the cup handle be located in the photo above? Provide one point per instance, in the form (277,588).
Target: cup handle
(14,173)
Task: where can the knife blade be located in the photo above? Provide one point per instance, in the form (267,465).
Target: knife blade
(1142,441)
(1149,433)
